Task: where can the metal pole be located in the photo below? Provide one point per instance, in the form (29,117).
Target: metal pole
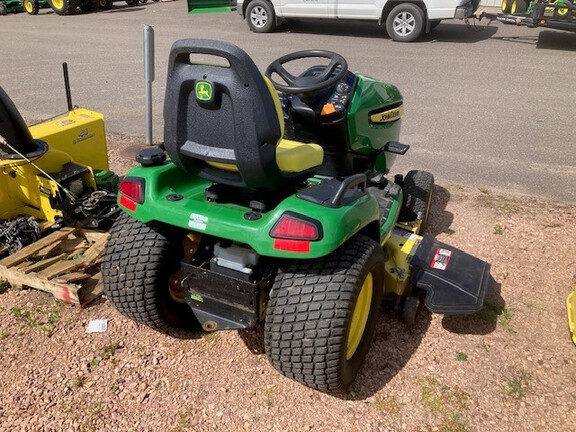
(67,86)
(149,77)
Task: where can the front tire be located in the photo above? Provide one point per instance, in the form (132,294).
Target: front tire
(417,189)
(260,16)
(31,6)
(139,264)
(405,22)
(322,315)
(106,4)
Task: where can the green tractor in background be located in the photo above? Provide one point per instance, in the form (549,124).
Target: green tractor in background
(270,202)
(30,6)
(560,9)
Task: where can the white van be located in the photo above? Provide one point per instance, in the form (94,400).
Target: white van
(405,20)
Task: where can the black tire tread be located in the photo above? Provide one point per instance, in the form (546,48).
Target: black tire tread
(271,23)
(308,312)
(136,257)
(416,188)
(418,15)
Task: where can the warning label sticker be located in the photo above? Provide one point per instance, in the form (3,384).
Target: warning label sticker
(441,259)
(198,221)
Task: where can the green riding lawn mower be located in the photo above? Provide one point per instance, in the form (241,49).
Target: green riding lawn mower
(270,202)
(30,6)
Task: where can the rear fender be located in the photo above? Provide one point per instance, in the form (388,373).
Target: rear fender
(177,199)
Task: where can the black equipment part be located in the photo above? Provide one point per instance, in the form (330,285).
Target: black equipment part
(455,282)
(335,193)
(14,130)
(223,299)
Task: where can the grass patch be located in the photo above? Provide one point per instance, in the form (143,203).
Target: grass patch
(388,404)
(106,353)
(269,397)
(460,356)
(79,381)
(43,320)
(183,423)
(498,229)
(517,385)
(4,286)
(444,402)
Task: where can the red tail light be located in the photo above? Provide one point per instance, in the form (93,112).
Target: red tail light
(131,192)
(293,226)
(294,232)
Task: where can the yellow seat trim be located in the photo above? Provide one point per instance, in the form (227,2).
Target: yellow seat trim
(291,157)
(294,156)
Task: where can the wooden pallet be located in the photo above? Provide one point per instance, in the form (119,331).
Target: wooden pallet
(65,263)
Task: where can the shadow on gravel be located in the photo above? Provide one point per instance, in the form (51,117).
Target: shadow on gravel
(445,32)
(483,322)
(440,219)
(253,338)
(394,345)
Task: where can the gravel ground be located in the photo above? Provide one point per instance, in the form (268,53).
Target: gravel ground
(511,367)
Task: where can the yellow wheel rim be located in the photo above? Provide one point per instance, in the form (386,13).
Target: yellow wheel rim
(58,4)
(562,11)
(28,6)
(360,316)
(504,5)
(513,8)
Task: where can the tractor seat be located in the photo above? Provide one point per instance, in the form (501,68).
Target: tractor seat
(223,121)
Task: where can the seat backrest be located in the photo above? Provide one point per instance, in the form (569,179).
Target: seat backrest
(220,113)
(13,128)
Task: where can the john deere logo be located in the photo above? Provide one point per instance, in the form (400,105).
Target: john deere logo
(204,91)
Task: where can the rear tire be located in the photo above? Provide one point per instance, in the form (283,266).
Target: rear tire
(417,190)
(260,16)
(139,261)
(405,22)
(106,4)
(31,6)
(322,315)
(132,2)
(63,7)
(506,6)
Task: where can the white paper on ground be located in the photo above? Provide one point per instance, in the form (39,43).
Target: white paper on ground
(97,326)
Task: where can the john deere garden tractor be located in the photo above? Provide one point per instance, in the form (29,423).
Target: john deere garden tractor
(270,202)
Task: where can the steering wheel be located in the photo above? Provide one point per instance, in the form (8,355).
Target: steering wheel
(307,84)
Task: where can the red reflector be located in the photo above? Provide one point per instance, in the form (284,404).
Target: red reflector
(290,227)
(292,245)
(127,203)
(133,188)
